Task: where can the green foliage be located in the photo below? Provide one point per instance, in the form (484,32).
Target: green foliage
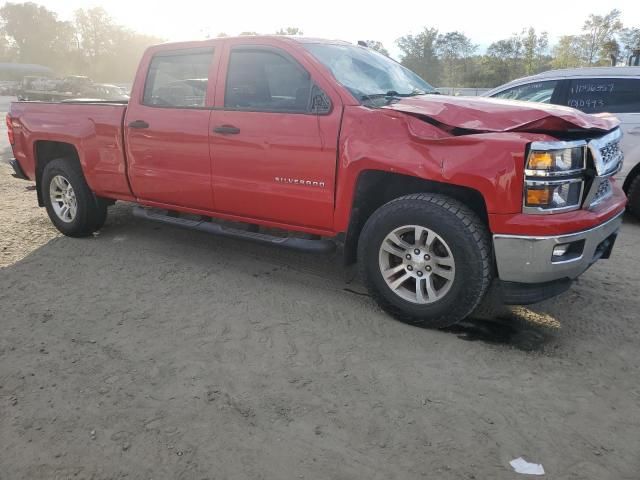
(92,44)
(598,38)
(377,46)
(419,54)
(449,59)
(290,31)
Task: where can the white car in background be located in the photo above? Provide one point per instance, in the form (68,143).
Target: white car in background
(614,90)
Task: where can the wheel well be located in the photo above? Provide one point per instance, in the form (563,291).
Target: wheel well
(635,171)
(375,188)
(44,152)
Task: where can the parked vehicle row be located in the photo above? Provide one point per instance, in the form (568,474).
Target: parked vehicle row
(68,88)
(437,198)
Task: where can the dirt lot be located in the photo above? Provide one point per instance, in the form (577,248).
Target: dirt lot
(150,352)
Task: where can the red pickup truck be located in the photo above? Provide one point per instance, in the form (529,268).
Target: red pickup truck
(309,144)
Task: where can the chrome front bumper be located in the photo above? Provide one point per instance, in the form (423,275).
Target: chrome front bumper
(525,259)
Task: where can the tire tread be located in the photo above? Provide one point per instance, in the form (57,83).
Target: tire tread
(477,230)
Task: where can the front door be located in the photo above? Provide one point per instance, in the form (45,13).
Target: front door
(167,131)
(273,138)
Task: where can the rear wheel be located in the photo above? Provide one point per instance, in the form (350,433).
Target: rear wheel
(425,258)
(71,205)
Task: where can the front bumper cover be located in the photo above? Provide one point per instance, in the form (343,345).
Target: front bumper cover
(529,259)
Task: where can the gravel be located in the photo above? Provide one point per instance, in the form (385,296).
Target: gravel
(152,352)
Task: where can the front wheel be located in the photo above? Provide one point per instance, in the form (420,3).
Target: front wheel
(426,259)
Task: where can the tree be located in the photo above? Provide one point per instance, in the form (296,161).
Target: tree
(630,40)
(599,33)
(419,54)
(109,52)
(8,52)
(248,34)
(505,60)
(35,34)
(290,31)
(453,49)
(377,46)
(568,52)
(534,47)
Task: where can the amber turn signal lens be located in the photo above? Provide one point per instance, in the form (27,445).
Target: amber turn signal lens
(539,197)
(541,161)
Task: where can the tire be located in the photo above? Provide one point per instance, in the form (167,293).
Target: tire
(457,266)
(89,213)
(633,196)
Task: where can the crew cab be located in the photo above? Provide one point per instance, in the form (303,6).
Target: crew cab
(309,144)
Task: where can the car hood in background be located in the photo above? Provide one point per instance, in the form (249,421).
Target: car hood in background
(476,115)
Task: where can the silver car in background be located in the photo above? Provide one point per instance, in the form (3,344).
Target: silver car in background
(614,90)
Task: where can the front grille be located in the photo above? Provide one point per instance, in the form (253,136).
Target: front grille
(603,192)
(611,154)
(604,158)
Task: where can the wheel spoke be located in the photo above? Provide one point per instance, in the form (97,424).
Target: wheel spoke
(431,291)
(392,248)
(420,290)
(60,183)
(395,238)
(444,261)
(389,273)
(428,242)
(446,274)
(421,236)
(398,282)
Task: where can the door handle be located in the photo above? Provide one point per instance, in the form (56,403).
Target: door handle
(227,130)
(634,131)
(138,124)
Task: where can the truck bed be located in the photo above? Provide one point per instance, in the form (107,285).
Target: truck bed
(94,127)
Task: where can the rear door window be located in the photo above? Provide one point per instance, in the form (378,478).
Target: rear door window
(178,80)
(612,95)
(265,80)
(540,92)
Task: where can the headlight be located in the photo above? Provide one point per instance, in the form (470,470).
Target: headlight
(554,196)
(561,162)
(554,177)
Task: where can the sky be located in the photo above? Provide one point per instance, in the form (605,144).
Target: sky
(483,21)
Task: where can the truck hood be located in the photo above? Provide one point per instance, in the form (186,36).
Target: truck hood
(460,115)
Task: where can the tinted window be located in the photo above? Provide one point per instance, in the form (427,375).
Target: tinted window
(266,81)
(614,95)
(178,80)
(540,92)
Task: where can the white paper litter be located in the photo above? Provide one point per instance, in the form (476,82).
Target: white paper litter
(520,465)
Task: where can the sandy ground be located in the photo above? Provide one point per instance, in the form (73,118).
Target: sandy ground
(148,352)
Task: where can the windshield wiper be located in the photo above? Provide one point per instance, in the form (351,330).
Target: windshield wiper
(391,94)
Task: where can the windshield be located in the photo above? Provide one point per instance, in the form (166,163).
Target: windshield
(367,73)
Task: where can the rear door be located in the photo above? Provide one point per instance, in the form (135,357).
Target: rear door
(273,149)
(618,96)
(167,129)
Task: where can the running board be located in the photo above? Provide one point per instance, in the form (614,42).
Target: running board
(301,244)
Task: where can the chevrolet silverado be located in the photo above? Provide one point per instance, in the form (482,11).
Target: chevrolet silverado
(309,144)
